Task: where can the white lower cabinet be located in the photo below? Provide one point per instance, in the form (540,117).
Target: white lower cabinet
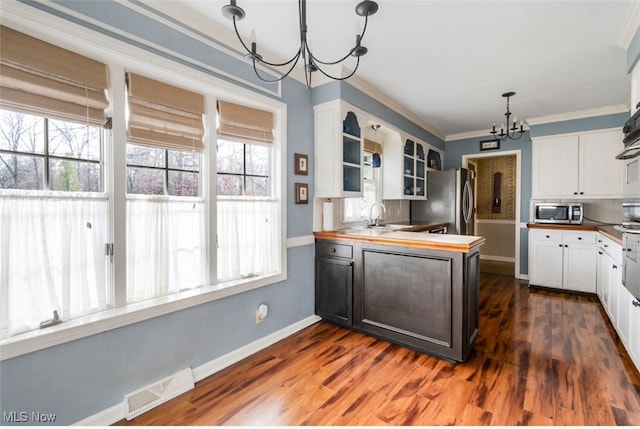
(616,299)
(563,259)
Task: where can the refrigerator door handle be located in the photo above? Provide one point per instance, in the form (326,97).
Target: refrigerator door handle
(467,202)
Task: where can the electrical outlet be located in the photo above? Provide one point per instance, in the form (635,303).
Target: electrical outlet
(261,313)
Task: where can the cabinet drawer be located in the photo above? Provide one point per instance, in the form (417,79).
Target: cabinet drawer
(331,249)
(547,234)
(612,248)
(579,237)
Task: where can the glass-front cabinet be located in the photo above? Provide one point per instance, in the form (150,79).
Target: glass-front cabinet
(414,169)
(351,154)
(338,150)
(406,163)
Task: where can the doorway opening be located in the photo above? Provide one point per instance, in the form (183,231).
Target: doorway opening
(497,208)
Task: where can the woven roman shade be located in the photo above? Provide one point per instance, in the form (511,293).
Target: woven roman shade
(162,115)
(43,79)
(244,124)
(372,147)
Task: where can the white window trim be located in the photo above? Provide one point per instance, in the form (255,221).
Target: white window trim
(116,54)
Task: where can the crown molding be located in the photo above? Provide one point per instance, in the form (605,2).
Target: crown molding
(467,135)
(376,94)
(580,114)
(630,26)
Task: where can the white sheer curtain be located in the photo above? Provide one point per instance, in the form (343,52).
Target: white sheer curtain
(166,246)
(51,257)
(249,237)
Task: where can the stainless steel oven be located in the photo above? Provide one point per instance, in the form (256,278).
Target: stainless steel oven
(631,206)
(631,263)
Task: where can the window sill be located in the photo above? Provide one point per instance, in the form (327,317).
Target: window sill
(118,317)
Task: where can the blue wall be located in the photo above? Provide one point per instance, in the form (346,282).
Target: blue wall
(455,149)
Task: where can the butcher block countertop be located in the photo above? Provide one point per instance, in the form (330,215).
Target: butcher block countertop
(404,238)
(607,230)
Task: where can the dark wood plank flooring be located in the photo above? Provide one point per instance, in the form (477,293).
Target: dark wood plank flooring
(541,358)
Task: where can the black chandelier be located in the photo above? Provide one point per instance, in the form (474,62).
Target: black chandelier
(512,129)
(311,63)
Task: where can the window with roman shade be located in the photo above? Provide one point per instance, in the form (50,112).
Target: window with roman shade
(54,212)
(248,206)
(164,116)
(43,79)
(244,124)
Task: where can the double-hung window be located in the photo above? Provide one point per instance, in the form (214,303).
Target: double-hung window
(166,234)
(53,209)
(248,206)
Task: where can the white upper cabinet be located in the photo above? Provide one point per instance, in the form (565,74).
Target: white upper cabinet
(405,165)
(338,150)
(580,165)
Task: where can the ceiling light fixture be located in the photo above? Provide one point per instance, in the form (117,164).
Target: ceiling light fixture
(510,132)
(311,62)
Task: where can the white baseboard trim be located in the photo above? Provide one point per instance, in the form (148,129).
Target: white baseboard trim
(117,412)
(213,366)
(104,418)
(497,258)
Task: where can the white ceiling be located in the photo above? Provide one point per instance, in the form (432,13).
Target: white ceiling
(449,61)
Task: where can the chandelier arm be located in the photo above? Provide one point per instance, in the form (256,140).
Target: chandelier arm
(339,78)
(366,19)
(255,69)
(295,57)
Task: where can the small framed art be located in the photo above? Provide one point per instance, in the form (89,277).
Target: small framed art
(490,144)
(301,162)
(302,193)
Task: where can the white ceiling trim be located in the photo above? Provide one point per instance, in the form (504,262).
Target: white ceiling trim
(377,95)
(630,26)
(581,114)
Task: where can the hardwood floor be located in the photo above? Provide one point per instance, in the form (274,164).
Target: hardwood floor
(541,358)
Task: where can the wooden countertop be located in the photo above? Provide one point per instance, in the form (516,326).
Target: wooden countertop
(607,230)
(420,240)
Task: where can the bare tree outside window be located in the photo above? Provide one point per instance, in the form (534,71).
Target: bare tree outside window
(243,169)
(156,171)
(45,154)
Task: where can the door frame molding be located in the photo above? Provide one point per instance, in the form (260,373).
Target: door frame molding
(518,154)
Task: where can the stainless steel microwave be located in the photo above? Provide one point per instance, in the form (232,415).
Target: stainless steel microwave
(570,213)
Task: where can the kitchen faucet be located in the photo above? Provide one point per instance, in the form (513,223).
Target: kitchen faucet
(384,210)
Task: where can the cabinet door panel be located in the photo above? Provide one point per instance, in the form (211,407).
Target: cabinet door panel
(410,295)
(555,166)
(601,172)
(546,263)
(334,280)
(580,267)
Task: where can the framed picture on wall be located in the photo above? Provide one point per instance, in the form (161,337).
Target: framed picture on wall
(302,193)
(301,164)
(490,144)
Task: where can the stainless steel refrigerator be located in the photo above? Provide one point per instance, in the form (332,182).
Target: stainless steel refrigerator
(449,199)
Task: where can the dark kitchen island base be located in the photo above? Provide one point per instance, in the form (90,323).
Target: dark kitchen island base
(421,297)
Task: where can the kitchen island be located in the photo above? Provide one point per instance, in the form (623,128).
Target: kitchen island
(415,289)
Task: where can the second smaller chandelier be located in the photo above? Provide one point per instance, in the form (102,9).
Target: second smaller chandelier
(365,8)
(512,131)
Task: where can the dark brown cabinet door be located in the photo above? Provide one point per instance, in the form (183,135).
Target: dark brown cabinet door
(334,289)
